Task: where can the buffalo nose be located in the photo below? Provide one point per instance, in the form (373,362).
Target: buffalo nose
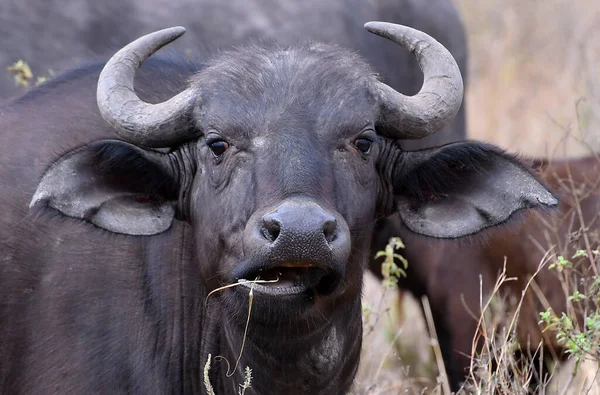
(297,233)
(310,223)
(298,230)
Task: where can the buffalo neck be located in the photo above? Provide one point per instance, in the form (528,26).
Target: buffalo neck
(323,362)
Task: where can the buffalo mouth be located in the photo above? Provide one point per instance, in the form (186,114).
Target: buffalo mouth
(286,279)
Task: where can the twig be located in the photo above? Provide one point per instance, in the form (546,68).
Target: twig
(436,346)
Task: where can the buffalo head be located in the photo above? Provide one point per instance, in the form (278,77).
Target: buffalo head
(280,160)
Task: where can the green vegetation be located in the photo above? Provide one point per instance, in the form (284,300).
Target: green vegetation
(578,332)
(389,268)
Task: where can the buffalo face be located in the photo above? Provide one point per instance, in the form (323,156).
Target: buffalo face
(286,182)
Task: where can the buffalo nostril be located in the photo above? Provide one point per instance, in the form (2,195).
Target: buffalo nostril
(330,230)
(271,229)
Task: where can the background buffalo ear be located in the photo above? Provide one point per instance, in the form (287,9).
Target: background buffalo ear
(462,188)
(114,185)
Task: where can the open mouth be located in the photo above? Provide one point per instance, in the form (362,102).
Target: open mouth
(285,279)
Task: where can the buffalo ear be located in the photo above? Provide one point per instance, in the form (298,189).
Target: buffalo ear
(114,185)
(462,188)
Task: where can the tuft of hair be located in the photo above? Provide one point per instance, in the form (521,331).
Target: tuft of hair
(450,168)
(445,169)
(265,65)
(130,168)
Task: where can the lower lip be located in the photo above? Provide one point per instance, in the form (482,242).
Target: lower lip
(274,290)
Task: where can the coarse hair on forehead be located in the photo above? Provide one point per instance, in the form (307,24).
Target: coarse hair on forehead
(311,64)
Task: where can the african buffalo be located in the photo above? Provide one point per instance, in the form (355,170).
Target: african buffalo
(271,163)
(449,273)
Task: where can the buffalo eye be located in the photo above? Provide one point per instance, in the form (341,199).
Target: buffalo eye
(363,145)
(218,147)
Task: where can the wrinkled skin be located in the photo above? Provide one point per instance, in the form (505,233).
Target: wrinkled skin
(56,35)
(472,266)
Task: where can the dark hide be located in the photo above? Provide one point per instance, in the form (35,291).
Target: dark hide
(449,273)
(89,303)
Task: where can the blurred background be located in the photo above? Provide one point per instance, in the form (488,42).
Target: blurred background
(534,74)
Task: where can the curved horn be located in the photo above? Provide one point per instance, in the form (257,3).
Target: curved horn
(138,122)
(440,97)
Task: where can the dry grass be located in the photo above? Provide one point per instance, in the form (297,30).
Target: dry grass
(396,356)
(400,353)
